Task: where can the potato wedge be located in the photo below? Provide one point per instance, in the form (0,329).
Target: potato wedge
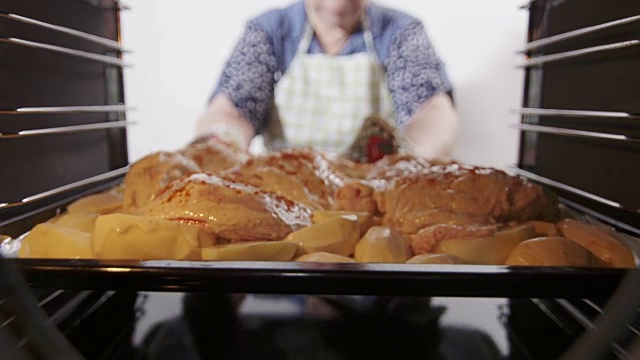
(435,259)
(336,236)
(102,203)
(551,251)
(251,251)
(122,236)
(325,257)
(489,250)
(365,219)
(79,221)
(384,245)
(604,246)
(544,228)
(48,240)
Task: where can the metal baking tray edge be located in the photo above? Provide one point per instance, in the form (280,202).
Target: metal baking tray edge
(324,278)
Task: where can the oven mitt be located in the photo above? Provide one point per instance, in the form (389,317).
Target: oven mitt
(377,137)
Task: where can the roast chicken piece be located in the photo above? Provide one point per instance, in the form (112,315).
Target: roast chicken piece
(396,166)
(350,168)
(357,194)
(307,176)
(302,175)
(214,156)
(233,211)
(461,194)
(149,175)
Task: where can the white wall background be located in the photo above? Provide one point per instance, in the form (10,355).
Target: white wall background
(179,48)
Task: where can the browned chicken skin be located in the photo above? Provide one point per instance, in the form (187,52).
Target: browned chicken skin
(302,175)
(234,211)
(357,194)
(266,197)
(472,194)
(214,156)
(396,166)
(150,174)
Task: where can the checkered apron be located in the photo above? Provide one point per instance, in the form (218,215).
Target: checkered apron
(322,100)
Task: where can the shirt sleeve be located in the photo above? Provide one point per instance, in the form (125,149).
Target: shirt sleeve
(415,73)
(248,77)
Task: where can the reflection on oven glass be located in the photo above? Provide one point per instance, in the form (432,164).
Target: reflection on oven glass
(303,327)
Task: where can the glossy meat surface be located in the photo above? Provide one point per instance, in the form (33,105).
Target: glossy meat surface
(150,174)
(214,156)
(301,175)
(464,193)
(234,211)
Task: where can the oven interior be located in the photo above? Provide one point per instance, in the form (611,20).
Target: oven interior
(63,123)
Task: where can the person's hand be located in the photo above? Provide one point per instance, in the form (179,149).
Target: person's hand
(222,121)
(433,128)
(215,138)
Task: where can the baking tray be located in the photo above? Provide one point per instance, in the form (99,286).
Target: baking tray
(324,278)
(305,277)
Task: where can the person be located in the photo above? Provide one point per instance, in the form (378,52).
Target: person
(310,73)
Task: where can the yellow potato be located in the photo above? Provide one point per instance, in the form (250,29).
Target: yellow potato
(325,257)
(337,236)
(365,219)
(544,228)
(121,236)
(79,221)
(488,250)
(102,203)
(251,251)
(48,240)
(383,244)
(551,251)
(435,259)
(604,246)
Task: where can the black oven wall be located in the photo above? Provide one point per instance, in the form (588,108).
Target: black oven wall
(581,107)
(61,100)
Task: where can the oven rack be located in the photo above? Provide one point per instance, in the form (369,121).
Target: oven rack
(83,109)
(582,139)
(540,43)
(616,324)
(66,129)
(543,59)
(43,323)
(60,190)
(579,133)
(108,43)
(579,117)
(582,193)
(107,59)
(566,322)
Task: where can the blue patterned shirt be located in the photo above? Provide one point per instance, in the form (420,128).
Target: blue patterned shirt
(266,48)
